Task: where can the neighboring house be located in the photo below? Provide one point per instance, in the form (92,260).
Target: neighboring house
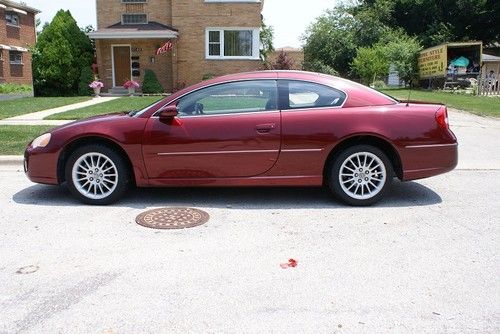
(17,35)
(199,38)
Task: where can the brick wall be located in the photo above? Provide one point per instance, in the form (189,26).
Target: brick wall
(110,12)
(192,18)
(186,64)
(23,36)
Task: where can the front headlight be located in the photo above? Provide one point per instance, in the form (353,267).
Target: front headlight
(41,141)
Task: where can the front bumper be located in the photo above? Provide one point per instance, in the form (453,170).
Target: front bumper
(40,166)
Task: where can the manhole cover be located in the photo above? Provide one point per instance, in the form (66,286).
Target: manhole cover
(172,218)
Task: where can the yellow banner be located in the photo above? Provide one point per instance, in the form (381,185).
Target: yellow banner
(432,62)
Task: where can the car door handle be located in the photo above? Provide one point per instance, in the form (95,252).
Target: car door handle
(265,128)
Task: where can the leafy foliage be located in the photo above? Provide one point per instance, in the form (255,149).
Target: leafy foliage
(394,49)
(266,40)
(283,62)
(59,55)
(86,77)
(334,38)
(330,42)
(151,85)
(371,63)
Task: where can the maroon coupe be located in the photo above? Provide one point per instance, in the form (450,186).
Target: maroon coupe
(270,128)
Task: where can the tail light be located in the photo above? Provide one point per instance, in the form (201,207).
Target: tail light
(442,117)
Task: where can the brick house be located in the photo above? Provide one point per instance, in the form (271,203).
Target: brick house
(17,35)
(200,37)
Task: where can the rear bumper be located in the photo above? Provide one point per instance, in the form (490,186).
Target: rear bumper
(421,161)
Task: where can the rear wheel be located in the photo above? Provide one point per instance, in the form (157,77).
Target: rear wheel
(360,175)
(96,174)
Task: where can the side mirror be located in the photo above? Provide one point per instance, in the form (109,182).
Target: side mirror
(169,112)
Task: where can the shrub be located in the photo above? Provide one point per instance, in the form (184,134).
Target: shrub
(9,88)
(320,67)
(86,77)
(151,85)
(378,84)
(208,76)
(283,62)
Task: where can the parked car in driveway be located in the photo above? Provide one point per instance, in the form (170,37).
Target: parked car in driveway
(268,128)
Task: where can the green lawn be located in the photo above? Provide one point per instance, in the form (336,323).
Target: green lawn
(480,105)
(118,105)
(14,138)
(28,105)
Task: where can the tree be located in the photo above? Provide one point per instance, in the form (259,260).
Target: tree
(402,53)
(330,41)
(395,49)
(371,63)
(150,84)
(283,62)
(62,50)
(266,40)
(434,22)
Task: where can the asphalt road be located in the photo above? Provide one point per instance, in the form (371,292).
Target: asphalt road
(425,260)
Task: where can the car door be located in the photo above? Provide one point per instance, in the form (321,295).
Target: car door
(225,130)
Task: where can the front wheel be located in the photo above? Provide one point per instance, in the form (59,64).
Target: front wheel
(360,175)
(96,174)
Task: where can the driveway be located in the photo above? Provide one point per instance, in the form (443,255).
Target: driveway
(425,260)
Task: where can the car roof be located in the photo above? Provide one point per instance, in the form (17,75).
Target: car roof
(357,94)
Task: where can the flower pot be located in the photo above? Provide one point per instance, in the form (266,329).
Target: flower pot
(97,91)
(131,91)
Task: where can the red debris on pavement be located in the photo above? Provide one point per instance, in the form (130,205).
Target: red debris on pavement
(290,264)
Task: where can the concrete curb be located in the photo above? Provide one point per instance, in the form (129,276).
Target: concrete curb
(11,160)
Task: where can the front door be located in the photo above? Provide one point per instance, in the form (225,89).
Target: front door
(228,130)
(121,61)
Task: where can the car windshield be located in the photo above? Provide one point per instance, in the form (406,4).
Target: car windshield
(142,111)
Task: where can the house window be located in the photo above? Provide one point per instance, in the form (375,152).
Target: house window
(12,19)
(16,57)
(232,43)
(135,18)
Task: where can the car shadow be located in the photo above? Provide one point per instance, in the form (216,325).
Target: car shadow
(400,194)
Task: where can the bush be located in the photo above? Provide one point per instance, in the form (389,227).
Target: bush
(320,67)
(8,88)
(151,85)
(86,77)
(283,62)
(378,84)
(208,76)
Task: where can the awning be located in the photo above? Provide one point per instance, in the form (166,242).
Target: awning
(13,48)
(137,31)
(109,34)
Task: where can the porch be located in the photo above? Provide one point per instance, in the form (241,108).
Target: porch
(125,53)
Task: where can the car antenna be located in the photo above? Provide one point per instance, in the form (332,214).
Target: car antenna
(409,94)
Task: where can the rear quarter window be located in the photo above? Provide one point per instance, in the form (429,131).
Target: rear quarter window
(303,94)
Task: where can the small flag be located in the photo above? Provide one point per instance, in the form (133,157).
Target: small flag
(168,46)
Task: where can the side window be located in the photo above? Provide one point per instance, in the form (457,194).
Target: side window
(303,94)
(231,98)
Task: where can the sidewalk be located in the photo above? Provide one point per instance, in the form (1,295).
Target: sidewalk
(37,118)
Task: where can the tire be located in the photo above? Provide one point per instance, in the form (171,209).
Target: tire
(345,172)
(112,178)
